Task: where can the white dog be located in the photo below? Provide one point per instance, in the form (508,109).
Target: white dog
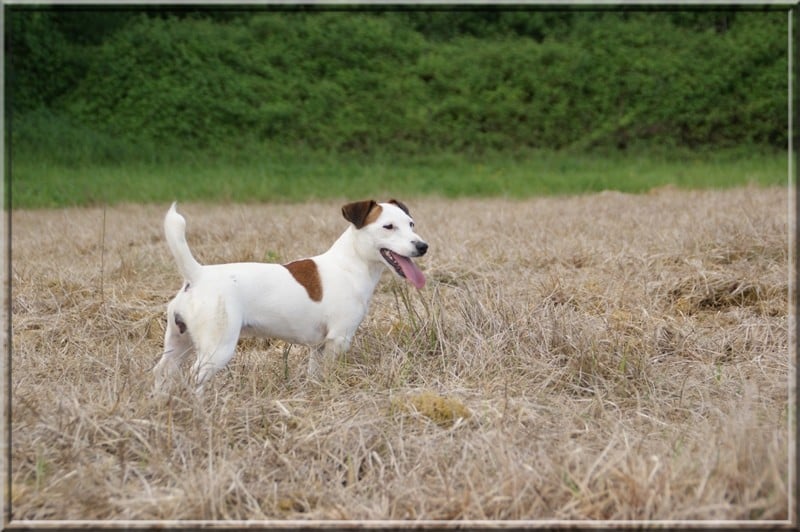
(318,301)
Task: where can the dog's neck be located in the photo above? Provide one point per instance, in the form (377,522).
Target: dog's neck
(348,246)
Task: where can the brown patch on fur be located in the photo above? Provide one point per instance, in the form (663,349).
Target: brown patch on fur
(373,214)
(361,213)
(305,272)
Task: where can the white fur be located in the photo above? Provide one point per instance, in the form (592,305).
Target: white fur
(219,303)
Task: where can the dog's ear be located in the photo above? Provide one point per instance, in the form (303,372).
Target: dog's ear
(401,205)
(357,212)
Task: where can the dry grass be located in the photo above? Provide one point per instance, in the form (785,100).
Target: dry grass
(598,357)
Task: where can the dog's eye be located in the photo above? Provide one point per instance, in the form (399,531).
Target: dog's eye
(411,224)
(389,226)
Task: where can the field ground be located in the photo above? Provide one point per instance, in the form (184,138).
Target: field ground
(604,356)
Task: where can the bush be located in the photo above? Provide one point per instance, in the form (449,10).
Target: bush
(201,84)
(42,65)
(415,82)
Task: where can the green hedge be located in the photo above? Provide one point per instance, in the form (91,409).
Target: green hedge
(400,82)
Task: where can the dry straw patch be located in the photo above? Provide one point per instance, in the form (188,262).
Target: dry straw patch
(598,357)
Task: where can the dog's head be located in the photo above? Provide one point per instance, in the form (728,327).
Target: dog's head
(386,232)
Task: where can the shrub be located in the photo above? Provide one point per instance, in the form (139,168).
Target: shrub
(412,82)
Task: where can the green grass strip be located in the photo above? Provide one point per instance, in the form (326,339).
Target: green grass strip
(37,183)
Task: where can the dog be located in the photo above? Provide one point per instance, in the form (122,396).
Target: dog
(318,301)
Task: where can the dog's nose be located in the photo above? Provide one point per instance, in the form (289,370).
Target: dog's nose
(422,247)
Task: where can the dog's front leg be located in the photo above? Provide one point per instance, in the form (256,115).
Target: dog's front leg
(323,357)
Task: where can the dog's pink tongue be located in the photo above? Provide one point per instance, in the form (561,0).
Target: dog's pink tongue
(411,271)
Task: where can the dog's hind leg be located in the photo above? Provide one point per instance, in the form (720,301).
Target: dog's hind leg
(206,366)
(177,346)
(216,345)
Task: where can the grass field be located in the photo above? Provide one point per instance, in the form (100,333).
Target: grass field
(597,357)
(39,182)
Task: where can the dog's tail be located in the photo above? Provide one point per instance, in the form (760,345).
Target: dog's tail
(175,229)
